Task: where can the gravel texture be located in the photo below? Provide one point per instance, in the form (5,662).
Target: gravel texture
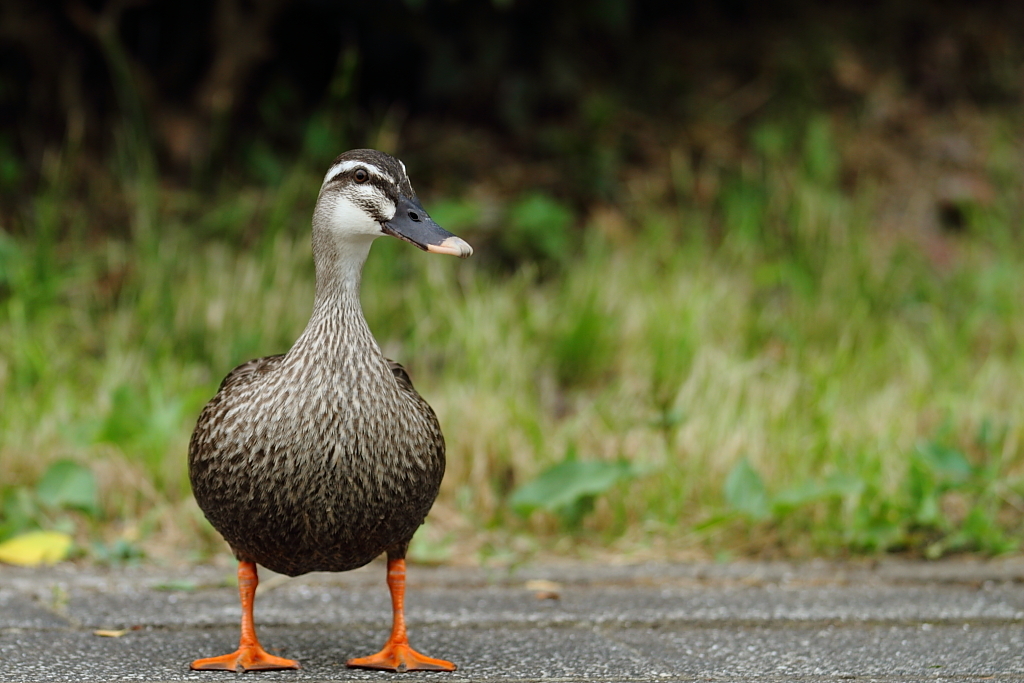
(896,621)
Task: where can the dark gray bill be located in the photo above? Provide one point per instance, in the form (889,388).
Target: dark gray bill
(412,224)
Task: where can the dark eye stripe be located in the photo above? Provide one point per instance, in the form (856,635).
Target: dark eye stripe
(382,184)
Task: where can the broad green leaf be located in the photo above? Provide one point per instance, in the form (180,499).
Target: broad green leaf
(567,483)
(66,484)
(744,490)
(944,461)
(36,548)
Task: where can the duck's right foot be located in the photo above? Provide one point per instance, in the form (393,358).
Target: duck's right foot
(244,659)
(400,657)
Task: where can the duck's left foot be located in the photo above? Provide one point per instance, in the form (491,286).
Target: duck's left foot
(401,658)
(245,659)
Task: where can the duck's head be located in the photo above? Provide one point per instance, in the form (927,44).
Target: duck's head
(367,194)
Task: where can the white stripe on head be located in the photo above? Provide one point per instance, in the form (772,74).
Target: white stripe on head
(345,166)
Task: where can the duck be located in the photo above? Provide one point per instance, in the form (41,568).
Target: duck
(325,457)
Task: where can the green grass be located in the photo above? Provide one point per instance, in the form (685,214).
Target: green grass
(799,385)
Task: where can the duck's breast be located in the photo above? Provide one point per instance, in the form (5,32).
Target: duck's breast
(306,477)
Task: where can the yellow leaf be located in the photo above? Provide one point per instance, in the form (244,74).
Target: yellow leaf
(110,634)
(543,585)
(544,589)
(35,548)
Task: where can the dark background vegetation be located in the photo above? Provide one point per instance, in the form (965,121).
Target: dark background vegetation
(566,95)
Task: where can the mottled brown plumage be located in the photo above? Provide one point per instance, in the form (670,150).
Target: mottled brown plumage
(325,457)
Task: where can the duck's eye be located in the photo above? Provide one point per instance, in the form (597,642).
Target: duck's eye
(361,175)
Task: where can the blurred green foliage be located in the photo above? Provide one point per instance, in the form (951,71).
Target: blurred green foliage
(760,272)
(942,504)
(65,486)
(570,488)
(583,343)
(538,229)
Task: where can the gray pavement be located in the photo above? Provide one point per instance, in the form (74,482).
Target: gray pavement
(887,621)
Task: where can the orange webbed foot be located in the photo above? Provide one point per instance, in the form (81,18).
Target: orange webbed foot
(401,658)
(244,659)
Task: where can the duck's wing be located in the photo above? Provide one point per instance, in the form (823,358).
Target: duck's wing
(401,375)
(250,369)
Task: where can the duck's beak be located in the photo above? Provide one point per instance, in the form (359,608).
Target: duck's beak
(412,224)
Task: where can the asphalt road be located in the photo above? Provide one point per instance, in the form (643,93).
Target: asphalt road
(893,621)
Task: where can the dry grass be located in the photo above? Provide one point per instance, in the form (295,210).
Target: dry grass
(799,341)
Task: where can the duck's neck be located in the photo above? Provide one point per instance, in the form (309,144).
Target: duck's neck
(337,330)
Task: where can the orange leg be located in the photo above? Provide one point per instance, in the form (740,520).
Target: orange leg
(397,655)
(250,655)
